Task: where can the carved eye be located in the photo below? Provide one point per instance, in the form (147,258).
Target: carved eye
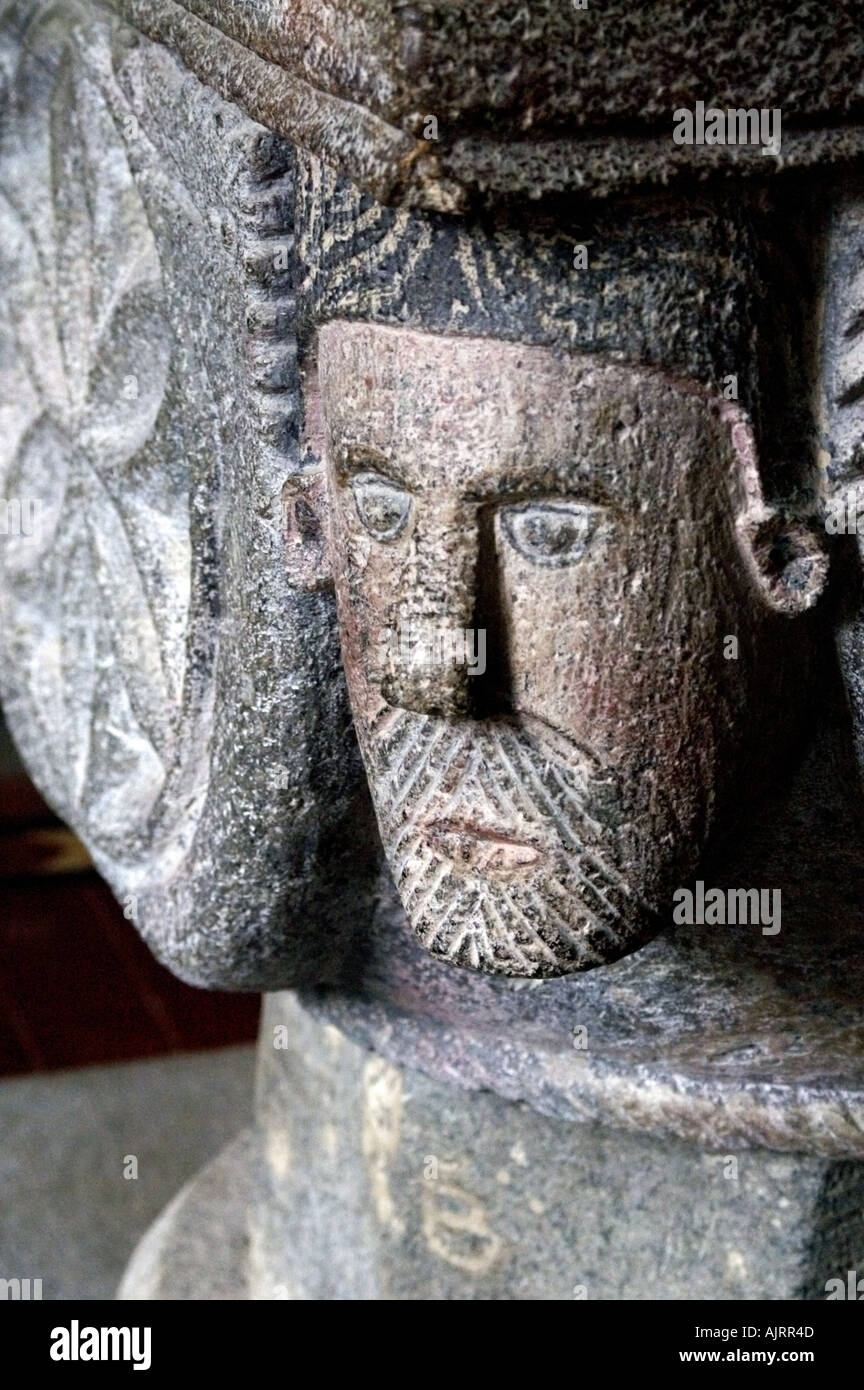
(382,506)
(551,533)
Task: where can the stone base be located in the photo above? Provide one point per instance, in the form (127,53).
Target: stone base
(369,1181)
(198,1249)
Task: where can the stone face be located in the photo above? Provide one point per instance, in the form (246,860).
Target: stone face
(538,810)
(207,754)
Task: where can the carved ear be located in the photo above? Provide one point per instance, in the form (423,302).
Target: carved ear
(304,528)
(788,557)
(786,553)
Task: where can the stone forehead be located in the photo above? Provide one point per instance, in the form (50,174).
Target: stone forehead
(368,358)
(483,401)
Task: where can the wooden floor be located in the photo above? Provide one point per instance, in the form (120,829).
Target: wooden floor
(77,985)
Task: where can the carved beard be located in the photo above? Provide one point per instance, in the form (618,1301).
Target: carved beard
(544,891)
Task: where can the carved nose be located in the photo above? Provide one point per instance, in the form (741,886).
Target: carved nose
(431,652)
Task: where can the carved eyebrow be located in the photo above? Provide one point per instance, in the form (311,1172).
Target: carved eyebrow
(351,458)
(556,484)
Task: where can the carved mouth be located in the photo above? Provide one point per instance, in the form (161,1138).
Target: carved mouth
(482,849)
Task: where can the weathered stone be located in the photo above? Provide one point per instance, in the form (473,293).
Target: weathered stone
(518,94)
(841,436)
(370,1181)
(199,1247)
(155,423)
(282,398)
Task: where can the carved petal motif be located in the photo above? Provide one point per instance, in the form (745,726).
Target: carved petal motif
(87,349)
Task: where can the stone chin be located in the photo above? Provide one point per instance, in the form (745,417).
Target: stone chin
(508,844)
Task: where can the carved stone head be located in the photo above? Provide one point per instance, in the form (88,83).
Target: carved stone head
(558,588)
(563,603)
